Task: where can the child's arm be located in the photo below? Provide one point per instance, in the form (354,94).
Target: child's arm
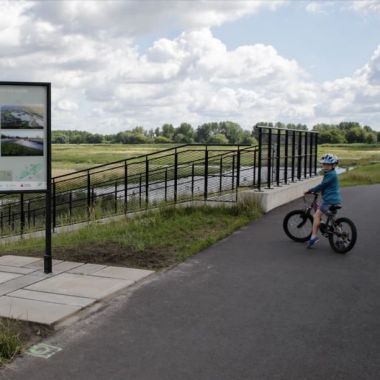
(326,182)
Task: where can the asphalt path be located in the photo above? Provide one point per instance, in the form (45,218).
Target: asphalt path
(254,306)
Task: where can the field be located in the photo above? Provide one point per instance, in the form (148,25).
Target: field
(353,154)
(72,157)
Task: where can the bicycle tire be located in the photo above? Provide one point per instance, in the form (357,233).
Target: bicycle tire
(301,220)
(336,245)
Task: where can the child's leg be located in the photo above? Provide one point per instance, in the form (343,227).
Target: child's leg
(316,223)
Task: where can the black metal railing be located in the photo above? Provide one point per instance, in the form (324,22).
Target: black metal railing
(185,173)
(285,156)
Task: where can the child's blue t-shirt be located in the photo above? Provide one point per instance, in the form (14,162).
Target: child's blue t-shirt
(329,188)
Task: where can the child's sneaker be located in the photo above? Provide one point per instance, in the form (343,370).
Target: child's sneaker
(311,243)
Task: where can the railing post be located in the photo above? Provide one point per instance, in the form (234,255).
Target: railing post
(260,159)
(293,154)
(175,175)
(254,167)
(305,155)
(54,205)
(311,139)
(299,168)
(146,180)
(166,184)
(192,180)
(125,187)
(88,195)
(220,174)
(22,214)
(233,172)
(278,157)
(116,197)
(286,156)
(205,193)
(315,153)
(140,191)
(269,159)
(238,168)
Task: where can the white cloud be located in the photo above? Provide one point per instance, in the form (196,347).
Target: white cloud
(102,82)
(366,6)
(137,17)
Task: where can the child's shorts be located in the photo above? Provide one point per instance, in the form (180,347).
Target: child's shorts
(325,208)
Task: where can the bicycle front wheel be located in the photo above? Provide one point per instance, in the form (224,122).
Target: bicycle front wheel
(343,238)
(298,225)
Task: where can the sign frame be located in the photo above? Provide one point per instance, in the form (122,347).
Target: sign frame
(47,191)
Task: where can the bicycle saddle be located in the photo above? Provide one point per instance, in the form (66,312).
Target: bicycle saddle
(334,208)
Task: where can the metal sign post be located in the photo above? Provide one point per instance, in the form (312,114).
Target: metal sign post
(25,145)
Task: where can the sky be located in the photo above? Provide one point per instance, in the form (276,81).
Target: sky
(115,65)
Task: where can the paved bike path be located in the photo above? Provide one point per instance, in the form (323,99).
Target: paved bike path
(254,306)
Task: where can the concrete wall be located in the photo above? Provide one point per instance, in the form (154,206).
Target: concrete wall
(278,196)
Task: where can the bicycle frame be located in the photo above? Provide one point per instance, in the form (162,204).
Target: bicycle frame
(326,225)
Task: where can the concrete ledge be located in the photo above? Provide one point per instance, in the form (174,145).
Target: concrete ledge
(278,196)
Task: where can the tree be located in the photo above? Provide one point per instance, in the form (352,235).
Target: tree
(248,139)
(162,140)
(232,131)
(206,131)
(168,131)
(218,138)
(186,132)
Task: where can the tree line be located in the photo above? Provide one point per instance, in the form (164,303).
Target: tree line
(225,132)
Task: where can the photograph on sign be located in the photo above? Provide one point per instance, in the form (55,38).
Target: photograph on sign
(22,117)
(23,137)
(21,143)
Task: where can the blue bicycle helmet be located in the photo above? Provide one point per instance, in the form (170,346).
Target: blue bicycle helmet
(329,159)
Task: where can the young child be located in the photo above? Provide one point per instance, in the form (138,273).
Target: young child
(329,187)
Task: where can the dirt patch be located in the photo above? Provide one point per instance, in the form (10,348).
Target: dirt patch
(111,254)
(17,336)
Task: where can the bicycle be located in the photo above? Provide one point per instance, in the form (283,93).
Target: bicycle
(341,232)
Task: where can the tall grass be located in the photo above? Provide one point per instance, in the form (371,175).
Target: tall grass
(153,240)
(363,175)
(10,340)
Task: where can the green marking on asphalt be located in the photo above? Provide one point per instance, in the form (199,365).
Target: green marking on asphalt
(43,350)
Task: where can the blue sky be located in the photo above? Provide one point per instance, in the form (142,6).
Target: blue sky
(115,64)
(329,44)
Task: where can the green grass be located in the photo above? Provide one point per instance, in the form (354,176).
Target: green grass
(152,241)
(10,340)
(362,175)
(71,157)
(14,149)
(352,154)
(15,336)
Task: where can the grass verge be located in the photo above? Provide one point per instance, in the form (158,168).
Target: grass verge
(361,175)
(16,335)
(154,240)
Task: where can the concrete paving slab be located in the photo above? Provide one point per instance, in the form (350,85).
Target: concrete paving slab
(22,281)
(17,261)
(123,273)
(20,270)
(80,285)
(39,264)
(4,276)
(52,297)
(35,311)
(65,266)
(87,269)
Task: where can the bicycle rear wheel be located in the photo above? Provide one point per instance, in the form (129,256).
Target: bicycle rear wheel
(298,225)
(343,238)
